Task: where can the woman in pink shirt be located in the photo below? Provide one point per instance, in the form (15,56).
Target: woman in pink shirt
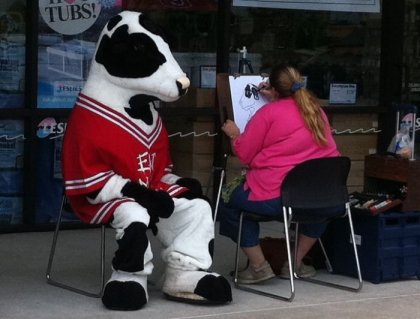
(290,129)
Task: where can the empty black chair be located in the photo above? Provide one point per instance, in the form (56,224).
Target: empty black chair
(313,184)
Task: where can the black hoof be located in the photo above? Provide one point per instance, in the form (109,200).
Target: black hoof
(216,289)
(128,295)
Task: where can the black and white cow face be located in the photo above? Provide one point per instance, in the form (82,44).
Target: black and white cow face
(134,58)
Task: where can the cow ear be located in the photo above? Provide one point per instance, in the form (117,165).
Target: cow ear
(113,22)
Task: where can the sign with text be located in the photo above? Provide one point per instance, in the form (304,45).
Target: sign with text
(343,93)
(328,5)
(69,16)
(67,36)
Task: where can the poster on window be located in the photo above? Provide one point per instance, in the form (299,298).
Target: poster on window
(68,31)
(327,5)
(12,54)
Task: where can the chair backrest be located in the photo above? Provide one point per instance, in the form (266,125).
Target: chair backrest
(317,183)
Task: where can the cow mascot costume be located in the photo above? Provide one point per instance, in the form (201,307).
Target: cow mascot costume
(117,169)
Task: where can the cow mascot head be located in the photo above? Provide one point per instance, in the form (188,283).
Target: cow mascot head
(117,169)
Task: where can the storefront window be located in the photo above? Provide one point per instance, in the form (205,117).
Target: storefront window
(190,28)
(50,136)
(68,31)
(11,171)
(411,64)
(328,47)
(12,54)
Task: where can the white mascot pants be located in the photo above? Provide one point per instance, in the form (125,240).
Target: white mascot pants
(186,237)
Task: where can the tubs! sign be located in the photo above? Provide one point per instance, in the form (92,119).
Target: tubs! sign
(69,16)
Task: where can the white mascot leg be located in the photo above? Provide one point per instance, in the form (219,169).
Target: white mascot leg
(187,236)
(132,263)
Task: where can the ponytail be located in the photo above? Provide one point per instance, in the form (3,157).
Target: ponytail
(287,81)
(310,110)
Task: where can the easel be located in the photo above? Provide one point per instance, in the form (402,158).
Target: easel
(226,111)
(244,62)
(224,103)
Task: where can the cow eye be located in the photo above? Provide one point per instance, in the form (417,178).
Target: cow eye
(138,47)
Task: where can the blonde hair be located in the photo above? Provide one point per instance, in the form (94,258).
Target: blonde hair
(287,81)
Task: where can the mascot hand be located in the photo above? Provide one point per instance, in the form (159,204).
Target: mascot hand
(192,184)
(195,189)
(157,203)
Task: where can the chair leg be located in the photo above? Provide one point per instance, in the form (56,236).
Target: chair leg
(327,259)
(254,290)
(219,193)
(296,244)
(221,180)
(356,258)
(286,223)
(103,251)
(56,283)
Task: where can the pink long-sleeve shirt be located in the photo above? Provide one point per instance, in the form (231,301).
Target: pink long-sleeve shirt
(273,142)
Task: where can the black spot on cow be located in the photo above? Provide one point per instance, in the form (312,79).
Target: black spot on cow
(139,108)
(152,27)
(127,55)
(131,248)
(211,248)
(113,22)
(165,33)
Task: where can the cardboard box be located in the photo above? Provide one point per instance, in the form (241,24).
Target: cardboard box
(205,177)
(192,148)
(188,100)
(191,137)
(199,166)
(356,146)
(205,98)
(196,97)
(352,189)
(202,163)
(353,122)
(356,175)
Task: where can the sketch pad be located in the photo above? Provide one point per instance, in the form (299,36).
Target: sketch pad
(246,99)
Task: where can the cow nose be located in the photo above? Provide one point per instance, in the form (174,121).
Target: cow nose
(183,84)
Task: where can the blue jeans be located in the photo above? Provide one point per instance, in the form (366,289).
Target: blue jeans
(230,213)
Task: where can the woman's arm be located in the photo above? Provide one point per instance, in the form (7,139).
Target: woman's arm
(250,142)
(232,131)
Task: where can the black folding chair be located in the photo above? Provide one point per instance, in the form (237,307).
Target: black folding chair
(54,282)
(313,184)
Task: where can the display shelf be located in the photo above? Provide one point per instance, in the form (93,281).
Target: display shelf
(389,174)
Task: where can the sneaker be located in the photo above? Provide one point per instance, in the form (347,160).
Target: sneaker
(255,275)
(304,271)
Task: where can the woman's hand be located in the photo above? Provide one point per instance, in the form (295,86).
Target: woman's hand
(231,129)
(267,91)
